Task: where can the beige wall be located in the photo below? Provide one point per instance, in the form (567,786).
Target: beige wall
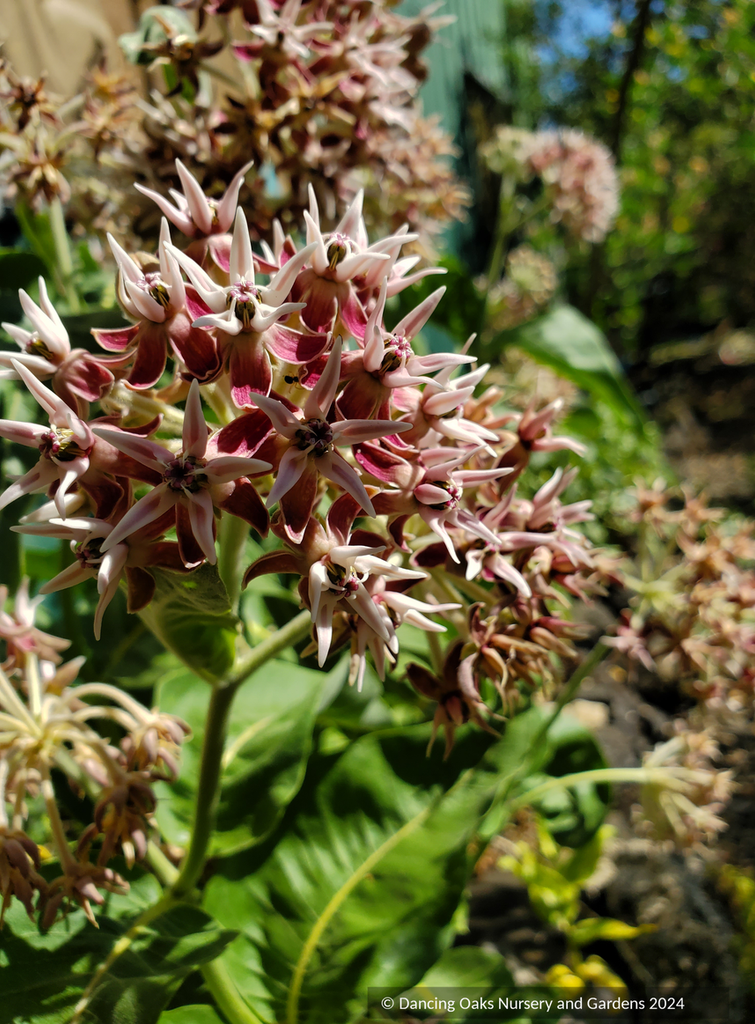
(63,37)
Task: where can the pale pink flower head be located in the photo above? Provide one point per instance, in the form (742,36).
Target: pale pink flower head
(338,260)
(64,446)
(77,376)
(192,212)
(191,484)
(312,441)
(246,316)
(580,178)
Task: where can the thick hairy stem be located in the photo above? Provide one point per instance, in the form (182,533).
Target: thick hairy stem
(214,745)
(233,535)
(208,790)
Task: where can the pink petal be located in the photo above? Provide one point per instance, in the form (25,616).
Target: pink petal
(145,511)
(340,472)
(151,356)
(194,427)
(250,370)
(196,349)
(28,434)
(278,414)
(413,322)
(245,503)
(245,434)
(292,346)
(357,431)
(322,395)
(202,519)
(38,478)
(227,206)
(149,453)
(291,468)
(273,561)
(229,467)
(298,502)
(353,315)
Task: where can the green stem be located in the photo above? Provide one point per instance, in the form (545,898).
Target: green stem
(233,535)
(165,872)
(214,745)
(658,775)
(208,789)
(63,253)
(494,817)
(220,982)
(283,638)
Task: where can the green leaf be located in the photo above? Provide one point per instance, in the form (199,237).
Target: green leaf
(269,741)
(469,967)
(38,233)
(19,269)
(46,976)
(359,885)
(575,348)
(198,1013)
(572,815)
(191,614)
(594,928)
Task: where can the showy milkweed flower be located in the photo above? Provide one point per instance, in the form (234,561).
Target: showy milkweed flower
(191,484)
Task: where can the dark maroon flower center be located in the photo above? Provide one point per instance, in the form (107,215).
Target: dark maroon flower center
(315,436)
(89,553)
(186,474)
(60,445)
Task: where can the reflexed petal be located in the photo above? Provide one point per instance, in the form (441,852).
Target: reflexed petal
(291,467)
(282,283)
(116,340)
(250,370)
(335,468)
(321,397)
(230,467)
(202,519)
(147,509)
(194,426)
(149,453)
(299,501)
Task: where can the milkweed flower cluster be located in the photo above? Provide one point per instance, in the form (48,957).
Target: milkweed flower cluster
(282,392)
(47,724)
(321,93)
(578,175)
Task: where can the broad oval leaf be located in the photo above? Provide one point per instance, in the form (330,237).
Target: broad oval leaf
(191,615)
(577,349)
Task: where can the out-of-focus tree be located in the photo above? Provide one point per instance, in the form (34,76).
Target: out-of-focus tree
(671,90)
